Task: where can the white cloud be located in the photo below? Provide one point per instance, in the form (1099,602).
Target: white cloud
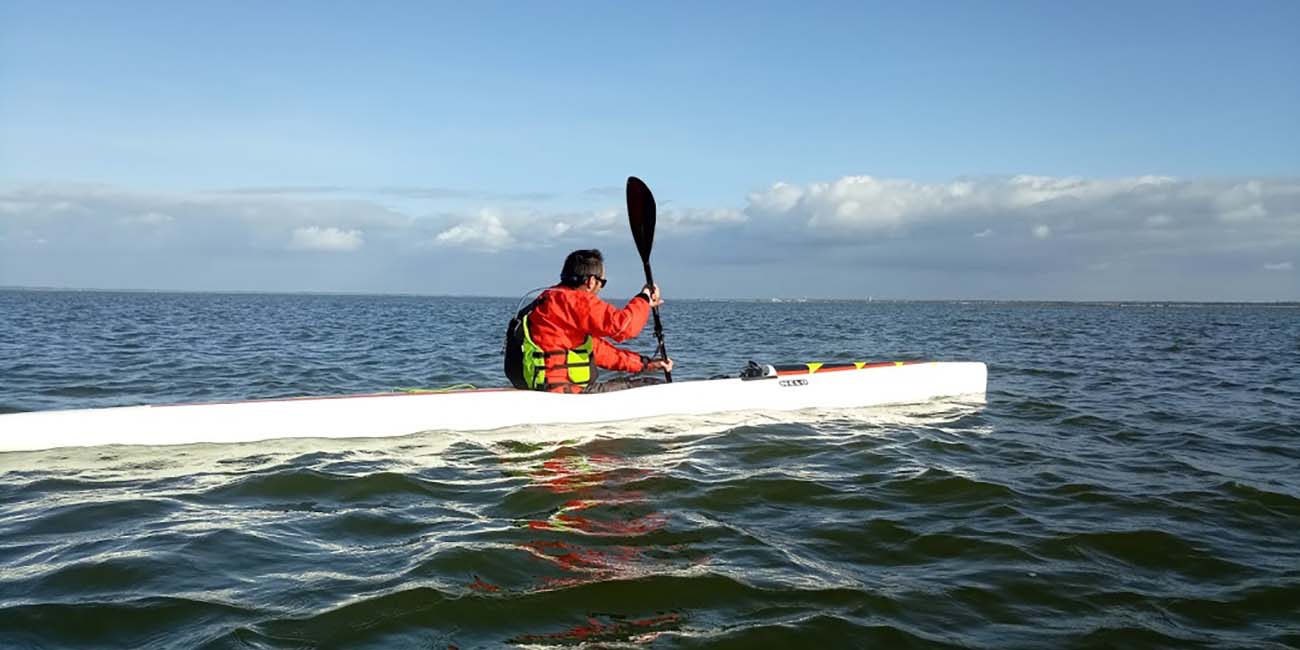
(147,219)
(1242,202)
(1042,232)
(1279,266)
(601,223)
(678,220)
(983,233)
(1244,213)
(493,229)
(780,198)
(331,240)
(858,203)
(485,232)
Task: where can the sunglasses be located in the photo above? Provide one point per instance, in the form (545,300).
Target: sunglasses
(603,281)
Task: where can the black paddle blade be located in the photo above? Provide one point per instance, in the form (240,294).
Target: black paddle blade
(641,215)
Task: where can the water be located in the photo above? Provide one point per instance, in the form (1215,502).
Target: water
(1134,481)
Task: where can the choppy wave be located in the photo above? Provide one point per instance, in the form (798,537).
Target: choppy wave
(1132,482)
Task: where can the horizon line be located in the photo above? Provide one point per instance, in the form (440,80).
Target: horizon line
(761,299)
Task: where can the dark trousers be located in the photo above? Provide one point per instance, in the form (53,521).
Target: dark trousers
(621,383)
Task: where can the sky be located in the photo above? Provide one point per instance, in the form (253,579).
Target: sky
(928,150)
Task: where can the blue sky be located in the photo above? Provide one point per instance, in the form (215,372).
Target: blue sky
(906,150)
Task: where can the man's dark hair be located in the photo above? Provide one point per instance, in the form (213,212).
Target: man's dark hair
(580,265)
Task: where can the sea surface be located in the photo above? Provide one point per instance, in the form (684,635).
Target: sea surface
(1132,482)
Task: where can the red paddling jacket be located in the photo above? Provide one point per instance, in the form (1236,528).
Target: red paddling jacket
(563,320)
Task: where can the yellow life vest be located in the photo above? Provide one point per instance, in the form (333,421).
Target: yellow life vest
(580,363)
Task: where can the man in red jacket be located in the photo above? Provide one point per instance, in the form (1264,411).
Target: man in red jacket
(564,335)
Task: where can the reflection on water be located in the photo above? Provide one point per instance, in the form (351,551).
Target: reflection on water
(602,531)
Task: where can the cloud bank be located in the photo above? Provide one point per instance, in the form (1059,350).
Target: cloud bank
(1081,237)
(333,240)
(862,207)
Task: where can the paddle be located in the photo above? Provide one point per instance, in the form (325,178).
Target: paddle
(641,216)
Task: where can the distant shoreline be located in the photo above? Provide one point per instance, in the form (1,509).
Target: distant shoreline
(771,300)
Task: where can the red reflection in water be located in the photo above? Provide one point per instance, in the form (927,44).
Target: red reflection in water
(564,519)
(479,585)
(599,510)
(574,558)
(613,628)
(575,472)
(596,480)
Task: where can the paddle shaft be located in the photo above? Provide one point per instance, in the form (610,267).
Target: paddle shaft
(659,326)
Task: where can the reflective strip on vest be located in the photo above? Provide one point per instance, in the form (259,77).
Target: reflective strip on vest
(579,362)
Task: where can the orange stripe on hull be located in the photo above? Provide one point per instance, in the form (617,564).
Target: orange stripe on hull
(857,365)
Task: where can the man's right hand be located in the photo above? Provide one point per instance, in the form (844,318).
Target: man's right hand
(652,294)
(659,364)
